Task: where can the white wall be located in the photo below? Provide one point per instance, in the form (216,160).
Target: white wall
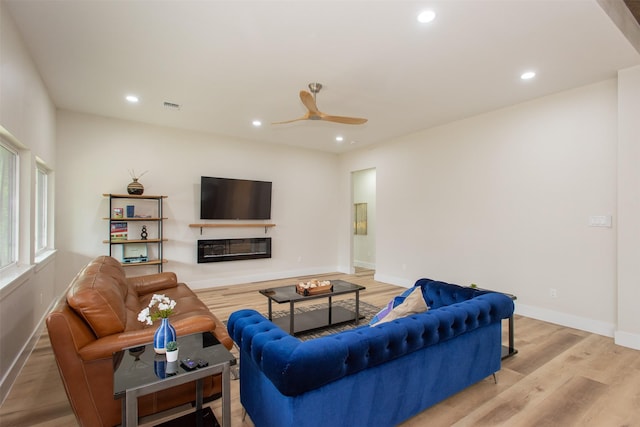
(503,200)
(95,154)
(27,117)
(628,207)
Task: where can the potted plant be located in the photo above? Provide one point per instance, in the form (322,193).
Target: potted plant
(172,351)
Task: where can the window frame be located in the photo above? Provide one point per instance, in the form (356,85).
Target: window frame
(13,211)
(41,241)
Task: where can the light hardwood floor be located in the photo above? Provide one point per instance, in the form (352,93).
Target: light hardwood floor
(560,377)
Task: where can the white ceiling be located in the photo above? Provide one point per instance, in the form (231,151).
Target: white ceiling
(229,62)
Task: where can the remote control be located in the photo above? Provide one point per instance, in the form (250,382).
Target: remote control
(188,364)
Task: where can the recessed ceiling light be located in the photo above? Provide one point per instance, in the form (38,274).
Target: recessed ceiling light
(426,16)
(339,138)
(132,99)
(528,75)
(256,123)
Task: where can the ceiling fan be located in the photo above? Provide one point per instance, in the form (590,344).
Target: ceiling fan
(309,101)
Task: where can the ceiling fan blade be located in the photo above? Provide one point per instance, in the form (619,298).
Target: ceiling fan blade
(309,102)
(305,117)
(313,113)
(344,120)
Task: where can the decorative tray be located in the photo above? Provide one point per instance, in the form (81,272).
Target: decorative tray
(314,287)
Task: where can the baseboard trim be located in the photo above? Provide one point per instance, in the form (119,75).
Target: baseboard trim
(584,324)
(627,339)
(364,264)
(234,280)
(392,280)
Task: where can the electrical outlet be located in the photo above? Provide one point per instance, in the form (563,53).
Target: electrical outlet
(553,292)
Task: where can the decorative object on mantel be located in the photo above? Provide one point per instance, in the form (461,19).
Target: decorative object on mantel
(144,234)
(165,332)
(135,187)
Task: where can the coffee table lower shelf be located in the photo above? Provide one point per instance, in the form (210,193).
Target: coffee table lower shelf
(317,319)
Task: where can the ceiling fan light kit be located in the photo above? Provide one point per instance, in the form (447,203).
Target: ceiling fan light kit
(313,113)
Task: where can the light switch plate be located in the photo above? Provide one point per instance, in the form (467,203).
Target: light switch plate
(600,221)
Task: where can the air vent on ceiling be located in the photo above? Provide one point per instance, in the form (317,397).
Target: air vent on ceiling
(171,105)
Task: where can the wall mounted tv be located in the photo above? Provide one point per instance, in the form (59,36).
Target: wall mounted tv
(226,198)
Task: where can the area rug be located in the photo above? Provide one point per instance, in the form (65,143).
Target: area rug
(367,310)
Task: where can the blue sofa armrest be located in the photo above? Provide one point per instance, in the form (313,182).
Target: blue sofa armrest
(291,365)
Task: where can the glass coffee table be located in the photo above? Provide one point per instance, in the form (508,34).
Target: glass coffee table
(297,323)
(139,370)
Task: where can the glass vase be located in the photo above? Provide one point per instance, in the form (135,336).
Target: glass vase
(163,335)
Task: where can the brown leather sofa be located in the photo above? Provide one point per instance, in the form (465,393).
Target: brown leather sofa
(98,316)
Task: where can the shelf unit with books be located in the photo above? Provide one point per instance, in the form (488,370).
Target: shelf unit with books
(136,215)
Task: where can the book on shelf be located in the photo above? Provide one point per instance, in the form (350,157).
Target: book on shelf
(119,231)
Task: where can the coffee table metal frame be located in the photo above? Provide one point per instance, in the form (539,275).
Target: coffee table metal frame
(130,404)
(331,316)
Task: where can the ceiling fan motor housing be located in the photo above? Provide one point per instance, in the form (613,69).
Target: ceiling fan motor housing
(315,87)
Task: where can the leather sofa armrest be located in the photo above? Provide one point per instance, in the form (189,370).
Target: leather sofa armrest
(220,332)
(153,282)
(105,347)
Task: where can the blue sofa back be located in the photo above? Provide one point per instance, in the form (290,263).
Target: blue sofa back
(438,294)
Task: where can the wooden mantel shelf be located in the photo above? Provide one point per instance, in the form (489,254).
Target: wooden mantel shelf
(201,226)
(133,196)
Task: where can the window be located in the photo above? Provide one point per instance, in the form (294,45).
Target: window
(41,234)
(8,206)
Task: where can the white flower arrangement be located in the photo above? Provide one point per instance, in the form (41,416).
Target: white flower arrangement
(164,309)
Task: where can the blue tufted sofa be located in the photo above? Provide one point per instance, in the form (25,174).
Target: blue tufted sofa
(370,375)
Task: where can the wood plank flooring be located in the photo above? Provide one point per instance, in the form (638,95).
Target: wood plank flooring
(560,376)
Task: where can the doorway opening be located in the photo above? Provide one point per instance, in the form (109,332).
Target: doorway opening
(363,233)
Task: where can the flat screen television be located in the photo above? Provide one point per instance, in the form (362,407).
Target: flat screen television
(227,198)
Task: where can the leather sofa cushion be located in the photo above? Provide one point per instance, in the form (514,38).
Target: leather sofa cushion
(112,267)
(99,299)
